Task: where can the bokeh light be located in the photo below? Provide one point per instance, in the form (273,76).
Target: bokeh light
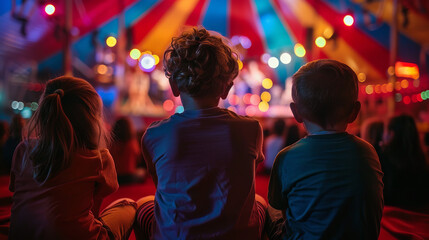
(246,98)
(405,83)
(348,20)
(263,106)
(233,99)
(285,58)
(266,96)
(328,32)
(369,89)
(273,62)
(102,69)
(267,83)
(407,99)
(49,9)
(14,105)
(156,59)
(320,42)
(168,105)
(111,41)
(255,99)
(240,64)
(147,62)
(299,50)
(398,86)
(361,77)
(251,110)
(180,109)
(135,53)
(398,97)
(390,87)
(377,88)
(265,57)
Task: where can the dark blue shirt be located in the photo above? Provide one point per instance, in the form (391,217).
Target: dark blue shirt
(330,187)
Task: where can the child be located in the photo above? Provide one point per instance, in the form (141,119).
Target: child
(202,160)
(60,177)
(329,184)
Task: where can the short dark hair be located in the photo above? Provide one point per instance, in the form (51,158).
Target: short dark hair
(200,63)
(325,91)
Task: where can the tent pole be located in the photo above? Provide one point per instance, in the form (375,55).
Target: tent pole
(393,55)
(67,61)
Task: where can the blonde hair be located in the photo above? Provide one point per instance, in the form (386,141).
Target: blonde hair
(69,117)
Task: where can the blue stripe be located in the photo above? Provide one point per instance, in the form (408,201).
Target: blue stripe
(215,18)
(278,39)
(83,48)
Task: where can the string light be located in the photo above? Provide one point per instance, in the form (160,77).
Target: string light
(267,83)
(49,9)
(320,42)
(299,50)
(348,20)
(135,53)
(285,58)
(273,62)
(111,41)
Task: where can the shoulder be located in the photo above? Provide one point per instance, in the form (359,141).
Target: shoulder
(364,146)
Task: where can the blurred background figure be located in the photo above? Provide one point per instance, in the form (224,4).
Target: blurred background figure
(4,133)
(292,135)
(406,173)
(372,132)
(15,137)
(125,151)
(273,144)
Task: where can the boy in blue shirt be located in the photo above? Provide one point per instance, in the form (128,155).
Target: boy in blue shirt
(329,184)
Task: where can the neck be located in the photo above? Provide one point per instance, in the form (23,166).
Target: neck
(313,128)
(191,103)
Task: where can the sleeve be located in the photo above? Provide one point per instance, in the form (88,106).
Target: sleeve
(148,158)
(107,181)
(16,164)
(259,142)
(276,198)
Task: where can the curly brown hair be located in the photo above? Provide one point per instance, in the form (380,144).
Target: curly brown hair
(201,63)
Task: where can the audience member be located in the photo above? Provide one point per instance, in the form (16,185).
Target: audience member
(406,173)
(273,144)
(292,135)
(329,184)
(62,170)
(125,151)
(202,160)
(15,137)
(372,131)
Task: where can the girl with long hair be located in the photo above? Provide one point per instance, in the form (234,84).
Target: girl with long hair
(62,170)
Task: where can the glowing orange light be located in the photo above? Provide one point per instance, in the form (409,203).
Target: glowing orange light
(369,89)
(320,42)
(390,87)
(408,70)
(362,77)
(384,88)
(377,88)
(398,86)
(348,20)
(240,64)
(405,83)
(156,59)
(49,9)
(406,99)
(168,105)
(265,96)
(263,106)
(254,99)
(102,69)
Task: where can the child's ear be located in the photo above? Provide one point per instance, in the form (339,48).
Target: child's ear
(174,87)
(226,91)
(355,112)
(295,112)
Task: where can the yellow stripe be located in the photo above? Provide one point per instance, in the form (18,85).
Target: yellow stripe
(418,26)
(338,50)
(158,39)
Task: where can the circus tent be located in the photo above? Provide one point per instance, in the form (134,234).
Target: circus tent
(34,46)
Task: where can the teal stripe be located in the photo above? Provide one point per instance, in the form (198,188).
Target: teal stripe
(215,18)
(278,39)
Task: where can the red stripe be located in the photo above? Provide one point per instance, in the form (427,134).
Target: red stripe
(142,27)
(373,52)
(242,22)
(195,16)
(298,31)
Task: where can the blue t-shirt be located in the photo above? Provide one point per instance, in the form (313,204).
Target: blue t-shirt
(204,161)
(330,187)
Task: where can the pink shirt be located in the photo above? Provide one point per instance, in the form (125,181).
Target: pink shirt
(61,208)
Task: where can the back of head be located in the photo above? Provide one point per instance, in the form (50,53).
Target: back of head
(69,117)
(279,127)
(325,91)
(200,63)
(123,130)
(373,132)
(403,148)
